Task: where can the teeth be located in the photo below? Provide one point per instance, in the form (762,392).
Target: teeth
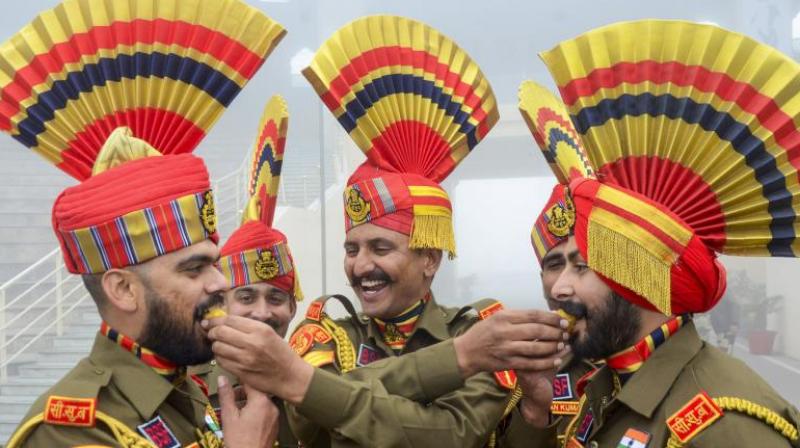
(372,283)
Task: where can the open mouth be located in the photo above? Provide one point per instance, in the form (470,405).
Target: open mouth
(371,288)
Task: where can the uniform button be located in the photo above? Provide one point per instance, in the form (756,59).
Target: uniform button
(594,444)
(213,362)
(99,371)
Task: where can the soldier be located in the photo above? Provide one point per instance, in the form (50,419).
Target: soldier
(398,221)
(565,382)
(662,186)
(140,227)
(256,259)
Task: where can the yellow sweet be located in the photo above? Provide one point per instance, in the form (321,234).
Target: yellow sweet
(214,313)
(569,318)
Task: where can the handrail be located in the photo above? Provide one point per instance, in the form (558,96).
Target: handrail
(29,269)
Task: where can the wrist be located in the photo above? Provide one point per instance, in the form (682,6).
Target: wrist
(463,358)
(297,381)
(536,416)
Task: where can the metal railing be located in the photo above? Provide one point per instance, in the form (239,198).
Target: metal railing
(40,300)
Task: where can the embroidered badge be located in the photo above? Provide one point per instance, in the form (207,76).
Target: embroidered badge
(506,379)
(303,339)
(314,311)
(356,207)
(696,415)
(489,310)
(565,407)
(585,428)
(561,217)
(320,358)
(208,440)
(70,411)
(157,432)
(208,213)
(562,390)
(266,266)
(634,438)
(367,355)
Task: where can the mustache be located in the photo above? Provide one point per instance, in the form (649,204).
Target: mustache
(577,309)
(271,322)
(376,274)
(216,299)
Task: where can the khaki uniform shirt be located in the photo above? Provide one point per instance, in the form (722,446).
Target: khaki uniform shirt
(107,398)
(666,398)
(388,400)
(209,373)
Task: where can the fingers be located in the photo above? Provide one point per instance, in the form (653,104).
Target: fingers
(256,398)
(533,349)
(247,325)
(537,364)
(534,331)
(227,402)
(229,335)
(534,316)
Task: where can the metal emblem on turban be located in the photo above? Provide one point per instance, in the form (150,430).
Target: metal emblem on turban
(266,266)
(356,207)
(209,213)
(561,217)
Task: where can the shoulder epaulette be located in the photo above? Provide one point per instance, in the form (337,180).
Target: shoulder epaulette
(320,328)
(306,335)
(702,411)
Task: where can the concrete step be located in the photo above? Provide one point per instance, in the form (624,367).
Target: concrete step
(27,386)
(73,343)
(38,219)
(14,191)
(27,234)
(29,252)
(22,204)
(62,355)
(53,370)
(8,423)
(16,404)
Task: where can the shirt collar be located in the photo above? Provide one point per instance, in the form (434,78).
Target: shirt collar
(145,389)
(645,390)
(433,321)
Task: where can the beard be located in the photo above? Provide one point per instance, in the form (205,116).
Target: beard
(173,339)
(609,330)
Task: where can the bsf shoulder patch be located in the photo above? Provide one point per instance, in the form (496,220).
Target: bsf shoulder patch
(304,338)
(489,310)
(70,411)
(699,413)
(314,311)
(320,358)
(505,378)
(562,390)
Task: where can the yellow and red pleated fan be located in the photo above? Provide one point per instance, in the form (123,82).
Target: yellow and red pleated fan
(691,130)
(416,105)
(552,128)
(256,251)
(696,118)
(164,69)
(265,171)
(411,99)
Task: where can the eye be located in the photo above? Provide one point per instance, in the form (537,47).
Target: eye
(245,299)
(382,250)
(581,267)
(351,251)
(278,299)
(553,266)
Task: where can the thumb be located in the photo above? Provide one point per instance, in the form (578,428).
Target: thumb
(227,401)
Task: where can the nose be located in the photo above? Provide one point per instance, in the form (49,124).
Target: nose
(216,281)
(362,263)
(260,310)
(563,288)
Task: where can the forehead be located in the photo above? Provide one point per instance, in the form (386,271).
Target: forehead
(261,288)
(203,249)
(366,232)
(565,248)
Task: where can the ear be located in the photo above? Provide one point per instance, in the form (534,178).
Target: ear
(432,259)
(123,289)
